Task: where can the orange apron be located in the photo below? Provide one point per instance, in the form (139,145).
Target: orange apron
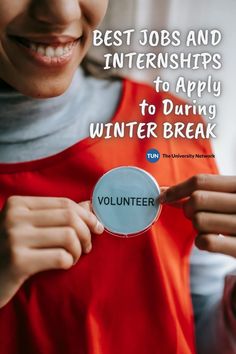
(128,296)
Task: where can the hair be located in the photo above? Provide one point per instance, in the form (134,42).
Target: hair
(93,67)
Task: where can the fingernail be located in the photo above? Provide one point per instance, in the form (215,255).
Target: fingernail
(99,228)
(75,261)
(162,198)
(88,248)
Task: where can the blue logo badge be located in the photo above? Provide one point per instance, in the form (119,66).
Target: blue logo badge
(153,155)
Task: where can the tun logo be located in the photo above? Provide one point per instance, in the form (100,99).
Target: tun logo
(153,155)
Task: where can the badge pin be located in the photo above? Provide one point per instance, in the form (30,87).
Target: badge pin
(125,200)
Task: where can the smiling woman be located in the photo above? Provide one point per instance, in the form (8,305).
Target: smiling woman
(63,289)
(42,46)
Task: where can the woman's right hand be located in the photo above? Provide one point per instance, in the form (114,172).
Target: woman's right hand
(41,233)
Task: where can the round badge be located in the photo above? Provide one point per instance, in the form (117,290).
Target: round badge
(125,200)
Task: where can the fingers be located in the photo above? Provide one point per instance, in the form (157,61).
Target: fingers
(217,244)
(63,218)
(212,212)
(84,210)
(57,237)
(38,205)
(163,189)
(33,203)
(46,216)
(86,205)
(210,201)
(217,183)
(48,259)
(75,219)
(41,234)
(214,223)
(176,204)
(43,203)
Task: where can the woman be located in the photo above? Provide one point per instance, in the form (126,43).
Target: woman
(99,295)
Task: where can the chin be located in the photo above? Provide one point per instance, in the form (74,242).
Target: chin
(44,89)
(48,93)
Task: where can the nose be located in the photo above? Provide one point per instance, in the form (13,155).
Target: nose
(56,12)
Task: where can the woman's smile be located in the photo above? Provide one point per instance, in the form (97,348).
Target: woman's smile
(51,51)
(43,42)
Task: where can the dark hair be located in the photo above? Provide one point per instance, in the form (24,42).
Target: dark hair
(93,67)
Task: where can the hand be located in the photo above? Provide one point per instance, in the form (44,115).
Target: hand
(209,201)
(38,234)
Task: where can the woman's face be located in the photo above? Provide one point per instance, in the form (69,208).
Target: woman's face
(42,42)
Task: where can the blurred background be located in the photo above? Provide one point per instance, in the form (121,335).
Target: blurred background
(185,15)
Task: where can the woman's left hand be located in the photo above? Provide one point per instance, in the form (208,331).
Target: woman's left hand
(209,201)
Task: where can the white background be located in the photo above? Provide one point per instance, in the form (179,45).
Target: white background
(185,15)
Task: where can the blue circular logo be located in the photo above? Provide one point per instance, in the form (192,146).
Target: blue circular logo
(153,155)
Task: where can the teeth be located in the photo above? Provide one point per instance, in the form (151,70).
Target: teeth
(67,48)
(40,49)
(51,52)
(59,51)
(34,47)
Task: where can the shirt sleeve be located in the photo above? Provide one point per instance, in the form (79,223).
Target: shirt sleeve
(213,278)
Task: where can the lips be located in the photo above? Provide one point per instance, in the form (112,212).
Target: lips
(48,47)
